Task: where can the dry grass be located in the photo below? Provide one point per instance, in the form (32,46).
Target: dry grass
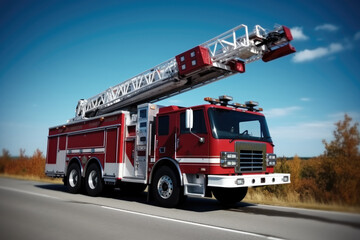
(24,167)
(292,199)
(33,178)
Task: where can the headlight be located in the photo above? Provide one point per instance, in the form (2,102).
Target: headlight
(285,179)
(228,159)
(270,159)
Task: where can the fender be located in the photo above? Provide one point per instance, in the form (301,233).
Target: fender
(164,161)
(91,160)
(77,160)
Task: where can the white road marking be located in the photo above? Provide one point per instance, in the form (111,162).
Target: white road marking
(157,217)
(194,223)
(26,192)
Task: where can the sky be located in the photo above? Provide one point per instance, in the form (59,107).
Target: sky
(53,53)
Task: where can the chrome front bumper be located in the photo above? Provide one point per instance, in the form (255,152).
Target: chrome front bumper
(248,180)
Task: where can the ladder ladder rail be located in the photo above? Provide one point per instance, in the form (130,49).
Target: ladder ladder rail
(236,44)
(163,71)
(225,44)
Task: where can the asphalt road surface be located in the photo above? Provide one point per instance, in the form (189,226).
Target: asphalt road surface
(34,210)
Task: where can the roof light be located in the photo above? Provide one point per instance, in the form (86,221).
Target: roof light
(239,105)
(212,100)
(251,104)
(224,100)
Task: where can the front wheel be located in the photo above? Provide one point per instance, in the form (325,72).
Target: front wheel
(229,196)
(93,181)
(166,188)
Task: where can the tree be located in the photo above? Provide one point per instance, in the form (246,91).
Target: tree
(339,171)
(5,154)
(22,153)
(346,142)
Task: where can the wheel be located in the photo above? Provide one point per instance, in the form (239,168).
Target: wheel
(93,181)
(73,178)
(165,187)
(229,196)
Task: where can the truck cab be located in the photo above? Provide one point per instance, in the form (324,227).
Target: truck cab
(219,147)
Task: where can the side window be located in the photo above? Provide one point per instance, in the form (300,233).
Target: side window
(199,123)
(163,125)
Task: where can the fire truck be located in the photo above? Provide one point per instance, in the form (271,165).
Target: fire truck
(122,138)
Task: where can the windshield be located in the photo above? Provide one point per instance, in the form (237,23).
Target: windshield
(233,125)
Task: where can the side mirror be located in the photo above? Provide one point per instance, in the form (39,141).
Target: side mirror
(189,119)
(189,123)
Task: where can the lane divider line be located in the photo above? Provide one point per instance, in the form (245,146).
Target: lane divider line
(194,223)
(156,217)
(26,192)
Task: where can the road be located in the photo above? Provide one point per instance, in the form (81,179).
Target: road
(34,210)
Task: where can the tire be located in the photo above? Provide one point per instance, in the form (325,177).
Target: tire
(93,181)
(229,196)
(73,178)
(166,188)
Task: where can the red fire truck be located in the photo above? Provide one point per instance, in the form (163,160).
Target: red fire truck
(120,137)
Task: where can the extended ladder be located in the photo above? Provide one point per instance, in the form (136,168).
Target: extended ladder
(215,59)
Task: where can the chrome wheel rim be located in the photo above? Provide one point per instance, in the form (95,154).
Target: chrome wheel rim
(73,178)
(93,179)
(165,187)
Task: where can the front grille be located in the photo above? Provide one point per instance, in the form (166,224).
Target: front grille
(251,157)
(251,161)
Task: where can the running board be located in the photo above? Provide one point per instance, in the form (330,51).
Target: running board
(194,185)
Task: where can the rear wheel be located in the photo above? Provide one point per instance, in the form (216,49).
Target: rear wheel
(93,181)
(229,196)
(166,187)
(73,178)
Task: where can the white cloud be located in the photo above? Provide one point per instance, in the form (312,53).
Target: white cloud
(305,99)
(297,33)
(306,131)
(327,27)
(357,36)
(308,55)
(335,47)
(311,54)
(280,112)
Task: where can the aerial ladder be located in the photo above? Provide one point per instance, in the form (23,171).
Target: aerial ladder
(218,58)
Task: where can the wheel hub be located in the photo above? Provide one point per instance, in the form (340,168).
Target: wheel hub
(165,187)
(73,178)
(93,179)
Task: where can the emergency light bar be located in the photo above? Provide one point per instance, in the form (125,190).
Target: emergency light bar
(224,101)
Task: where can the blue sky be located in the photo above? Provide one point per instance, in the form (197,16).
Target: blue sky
(52,53)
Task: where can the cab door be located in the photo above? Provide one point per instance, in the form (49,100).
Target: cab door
(191,150)
(166,134)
